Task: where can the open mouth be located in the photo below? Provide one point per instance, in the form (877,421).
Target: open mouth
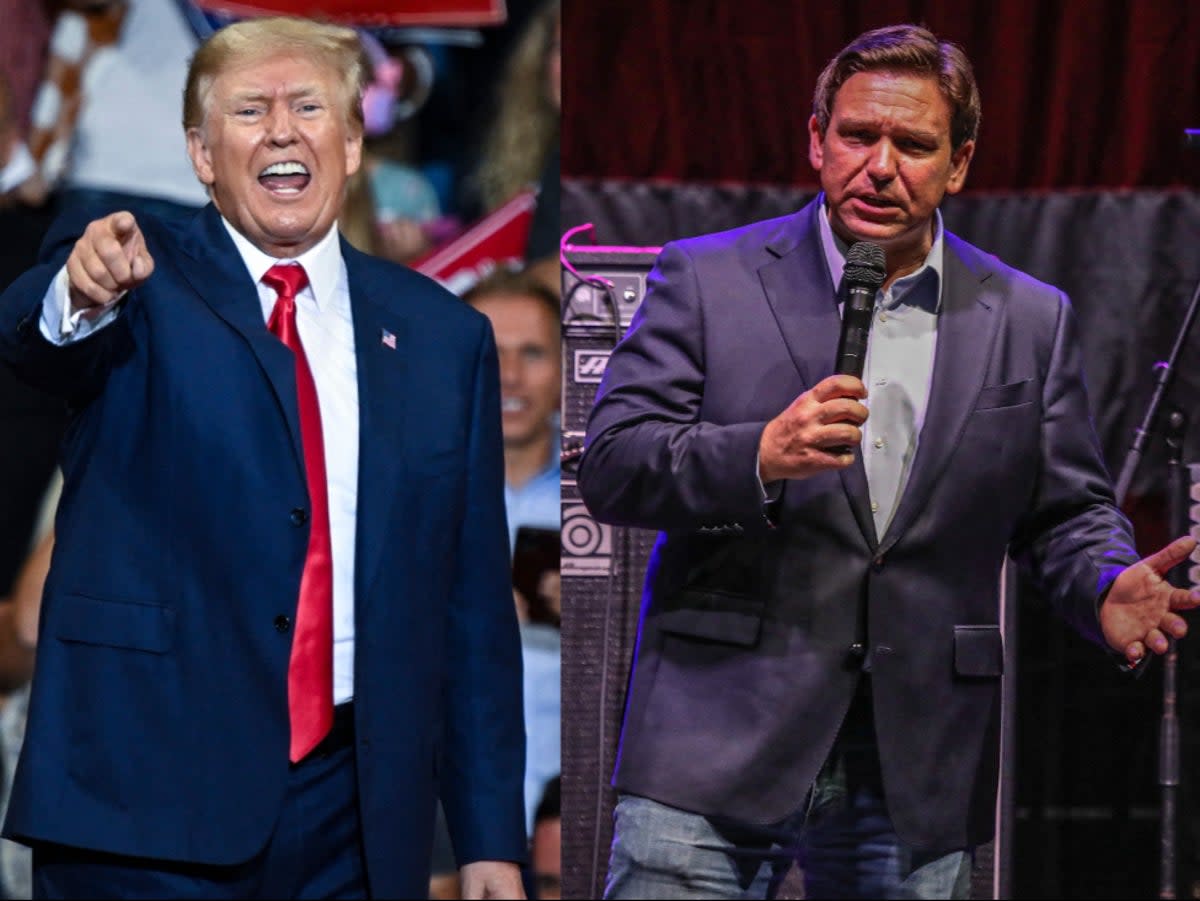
(285,178)
(513,405)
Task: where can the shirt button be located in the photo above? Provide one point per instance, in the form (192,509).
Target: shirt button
(883,317)
(282,623)
(874,507)
(299,516)
(879,442)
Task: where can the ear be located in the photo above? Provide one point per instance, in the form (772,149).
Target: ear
(816,154)
(200,156)
(960,160)
(354,142)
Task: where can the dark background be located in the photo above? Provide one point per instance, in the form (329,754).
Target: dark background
(686,117)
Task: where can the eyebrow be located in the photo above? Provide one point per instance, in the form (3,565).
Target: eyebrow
(919,134)
(294,94)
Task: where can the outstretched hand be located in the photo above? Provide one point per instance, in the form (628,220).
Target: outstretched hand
(108,260)
(1138,613)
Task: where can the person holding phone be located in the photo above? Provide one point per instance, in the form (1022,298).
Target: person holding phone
(525,320)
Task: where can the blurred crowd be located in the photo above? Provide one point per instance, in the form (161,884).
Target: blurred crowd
(461,146)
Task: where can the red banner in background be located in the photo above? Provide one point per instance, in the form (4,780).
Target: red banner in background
(435,13)
(496,240)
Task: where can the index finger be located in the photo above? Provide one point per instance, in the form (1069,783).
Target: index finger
(839,386)
(124,225)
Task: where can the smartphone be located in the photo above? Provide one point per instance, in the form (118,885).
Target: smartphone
(537,551)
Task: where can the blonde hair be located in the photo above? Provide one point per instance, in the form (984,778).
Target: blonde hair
(331,46)
(526,122)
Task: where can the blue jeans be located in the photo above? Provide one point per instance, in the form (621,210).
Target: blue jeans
(843,839)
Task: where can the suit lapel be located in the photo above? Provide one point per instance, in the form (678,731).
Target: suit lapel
(966,334)
(801,294)
(803,299)
(213,267)
(383,373)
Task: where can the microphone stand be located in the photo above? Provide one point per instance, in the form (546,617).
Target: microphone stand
(1168,734)
(1164,378)
(1169,726)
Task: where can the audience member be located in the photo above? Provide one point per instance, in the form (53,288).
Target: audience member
(25,464)
(525,320)
(392,209)
(19,616)
(521,150)
(125,149)
(545,849)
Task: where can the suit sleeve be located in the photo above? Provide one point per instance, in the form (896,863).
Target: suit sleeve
(484,756)
(1074,541)
(75,371)
(649,460)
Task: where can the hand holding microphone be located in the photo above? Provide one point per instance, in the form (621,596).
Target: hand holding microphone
(863,275)
(820,429)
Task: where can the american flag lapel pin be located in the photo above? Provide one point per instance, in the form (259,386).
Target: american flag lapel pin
(387,339)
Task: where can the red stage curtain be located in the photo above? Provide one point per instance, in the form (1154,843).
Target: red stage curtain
(1076,93)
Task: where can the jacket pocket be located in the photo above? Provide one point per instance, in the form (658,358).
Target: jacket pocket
(978,651)
(116,624)
(713,616)
(996,396)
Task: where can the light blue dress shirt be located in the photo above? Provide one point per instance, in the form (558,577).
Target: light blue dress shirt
(898,369)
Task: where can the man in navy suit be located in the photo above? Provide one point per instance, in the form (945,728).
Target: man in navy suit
(819,658)
(278,621)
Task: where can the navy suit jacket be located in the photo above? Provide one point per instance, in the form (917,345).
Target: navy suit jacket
(158,723)
(754,630)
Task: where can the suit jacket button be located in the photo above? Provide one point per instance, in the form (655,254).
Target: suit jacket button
(282,623)
(299,516)
(878,563)
(858,650)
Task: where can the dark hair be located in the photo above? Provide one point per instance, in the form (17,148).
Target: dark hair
(906,48)
(514,282)
(550,806)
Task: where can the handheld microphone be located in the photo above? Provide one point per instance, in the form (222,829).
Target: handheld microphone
(863,275)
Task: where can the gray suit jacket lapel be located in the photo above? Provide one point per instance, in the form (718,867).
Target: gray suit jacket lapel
(802,296)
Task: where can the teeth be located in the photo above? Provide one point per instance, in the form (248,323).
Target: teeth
(288,168)
(512,405)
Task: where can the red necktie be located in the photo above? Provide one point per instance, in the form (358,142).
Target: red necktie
(310,671)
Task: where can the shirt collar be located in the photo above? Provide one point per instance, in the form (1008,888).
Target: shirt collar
(321,262)
(835,255)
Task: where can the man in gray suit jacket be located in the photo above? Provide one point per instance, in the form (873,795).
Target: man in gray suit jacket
(819,660)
